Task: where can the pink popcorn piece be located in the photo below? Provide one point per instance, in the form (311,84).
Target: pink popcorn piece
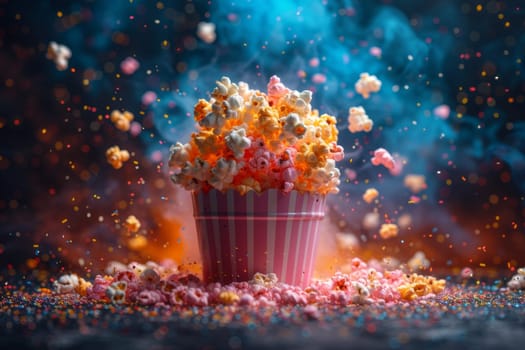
(148,98)
(129,65)
(375,51)
(383,157)
(319,78)
(442,111)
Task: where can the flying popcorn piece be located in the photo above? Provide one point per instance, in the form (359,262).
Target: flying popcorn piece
(129,65)
(358,120)
(206,32)
(367,84)
(370,194)
(132,224)
(383,157)
(59,54)
(418,262)
(122,120)
(371,221)
(116,157)
(416,183)
(346,241)
(237,142)
(388,231)
(442,111)
(148,98)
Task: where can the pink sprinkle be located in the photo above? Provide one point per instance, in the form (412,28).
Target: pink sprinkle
(314,62)
(129,65)
(375,51)
(148,98)
(319,78)
(383,157)
(442,111)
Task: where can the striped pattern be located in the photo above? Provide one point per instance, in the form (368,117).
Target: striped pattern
(258,232)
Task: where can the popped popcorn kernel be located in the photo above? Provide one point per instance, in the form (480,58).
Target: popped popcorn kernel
(517,281)
(228,298)
(132,224)
(358,120)
(388,231)
(367,84)
(206,32)
(66,284)
(370,194)
(59,54)
(383,157)
(116,157)
(418,262)
(262,279)
(415,183)
(122,120)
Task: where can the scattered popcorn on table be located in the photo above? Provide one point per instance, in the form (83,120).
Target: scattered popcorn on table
(384,158)
(416,183)
(418,262)
(59,54)
(367,84)
(132,224)
(388,231)
(206,32)
(358,120)
(122,120)
(250,141)
(370,194)
(66,284)
(116,157)
(517,281)
(129,65)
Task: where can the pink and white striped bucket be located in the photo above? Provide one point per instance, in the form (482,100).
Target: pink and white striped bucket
(271,231)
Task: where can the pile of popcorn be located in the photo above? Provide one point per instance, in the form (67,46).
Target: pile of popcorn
(248,140)
(164,284)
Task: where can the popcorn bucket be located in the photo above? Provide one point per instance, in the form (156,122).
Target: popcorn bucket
(266,232)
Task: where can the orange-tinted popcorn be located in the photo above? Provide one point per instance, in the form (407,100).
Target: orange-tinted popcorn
(388,231)
(121,120)
(116,157)
(370,194)
(249,140)
(132,223)
(416,183)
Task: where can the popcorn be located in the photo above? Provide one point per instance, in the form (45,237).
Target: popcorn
(367,84)
(346,241)
(249,140)
(416,183)
(293,129)
(121,120)
(129,65)
(276,89)
(223,173)
(116,157)
(116,292)
(363,294)
(237,142)
(418,262)
(132,224)
(358,120)
(66,284)
(517,282)
(228,298)
(150,278)
(59,54)
(388,231)
(371,220)
(383,157)
(370,194)
(206,32)
(264,279)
